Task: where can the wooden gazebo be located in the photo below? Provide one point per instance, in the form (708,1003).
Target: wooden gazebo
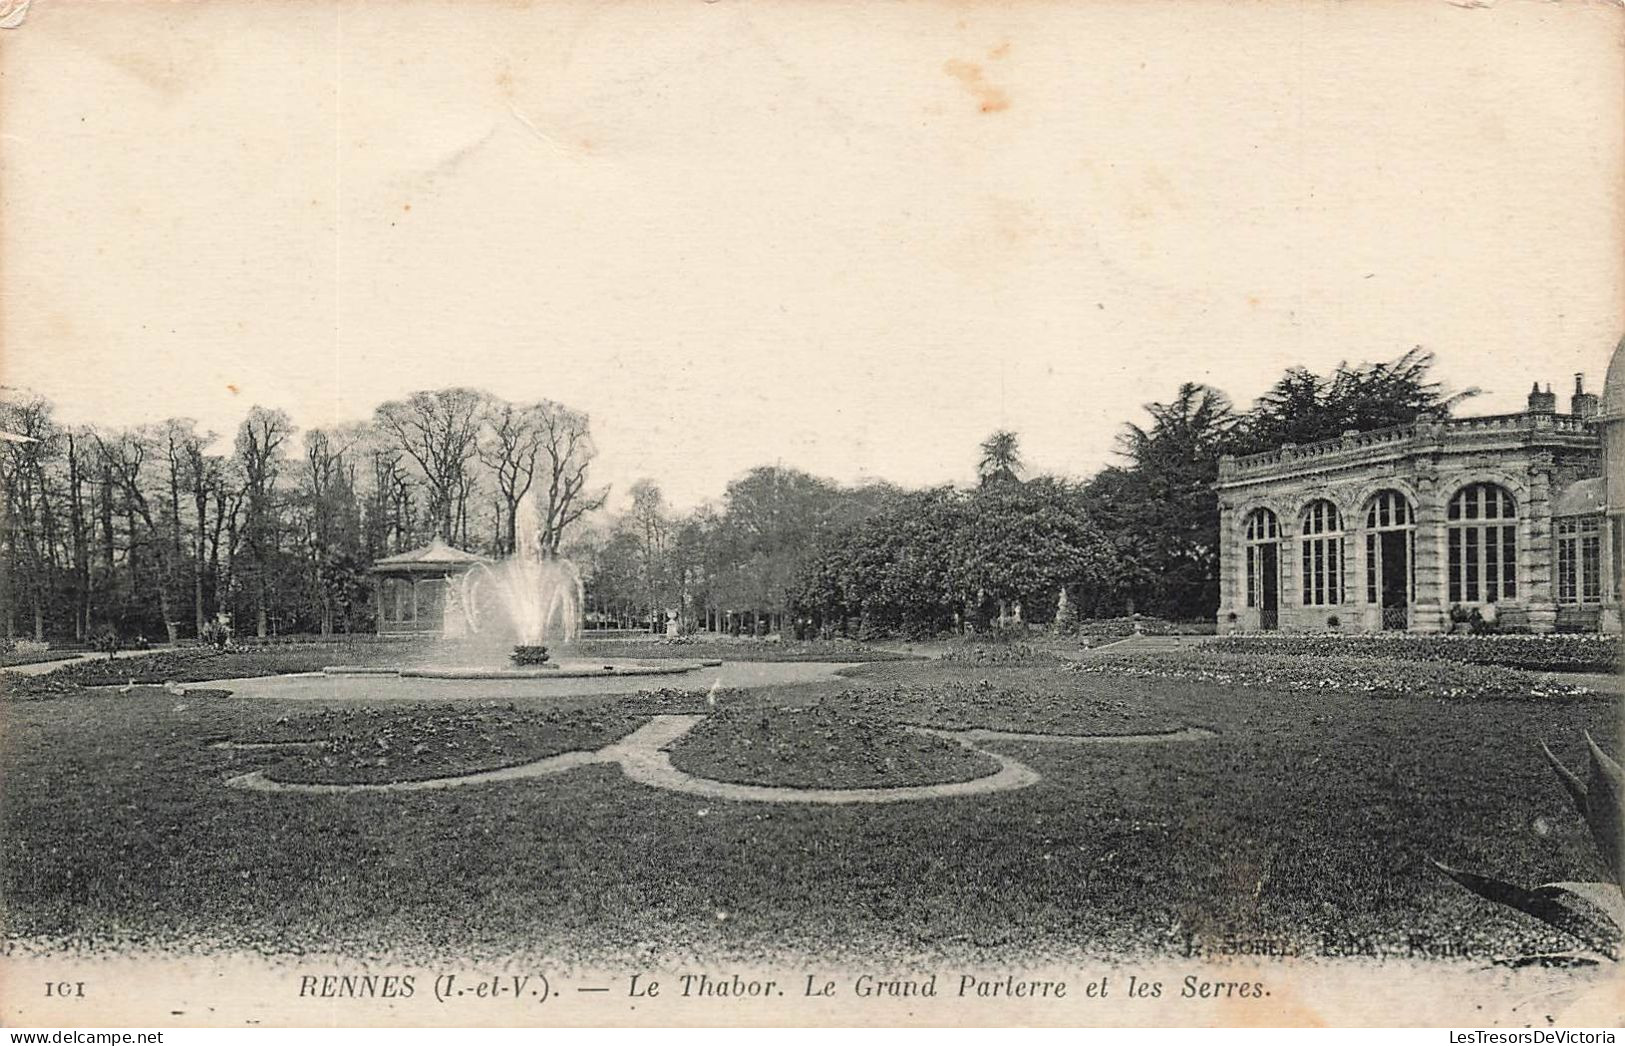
(411,586)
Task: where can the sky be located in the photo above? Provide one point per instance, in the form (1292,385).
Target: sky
(852,240)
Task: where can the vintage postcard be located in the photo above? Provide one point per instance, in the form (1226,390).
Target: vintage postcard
(932,513)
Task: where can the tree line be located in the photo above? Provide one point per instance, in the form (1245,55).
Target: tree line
(152,531)
(785,550)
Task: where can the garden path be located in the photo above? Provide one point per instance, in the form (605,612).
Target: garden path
(644,757)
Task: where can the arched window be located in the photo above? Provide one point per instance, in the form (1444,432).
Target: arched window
(1482,536)
(1579,559)
(1390,556)
(1322,563)
(1262,528)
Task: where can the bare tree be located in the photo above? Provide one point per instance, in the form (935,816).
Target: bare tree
(188,468)
(26,522)
(510,441)
(438,430)
(567,451)
(331,526)
(260,439)
(130,457)
(650,526)
(79,531)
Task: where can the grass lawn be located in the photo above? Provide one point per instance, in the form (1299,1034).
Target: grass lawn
(1308,818)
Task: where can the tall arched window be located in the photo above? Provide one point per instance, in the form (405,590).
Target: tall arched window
(1263,533)
(1390,546)
(1322,563)
(1482,529)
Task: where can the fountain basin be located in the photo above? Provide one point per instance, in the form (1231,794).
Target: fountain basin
(555,670)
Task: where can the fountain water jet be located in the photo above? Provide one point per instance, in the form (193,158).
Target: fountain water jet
(537,592)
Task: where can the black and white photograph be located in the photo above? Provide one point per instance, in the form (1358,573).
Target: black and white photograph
(721,513)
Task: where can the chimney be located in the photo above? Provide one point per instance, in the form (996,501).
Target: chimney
(1583,404)
(1542,402)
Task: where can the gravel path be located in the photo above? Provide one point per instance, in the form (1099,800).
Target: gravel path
(318,687)
(644,757)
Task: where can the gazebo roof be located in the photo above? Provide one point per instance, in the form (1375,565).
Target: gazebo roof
(435,556)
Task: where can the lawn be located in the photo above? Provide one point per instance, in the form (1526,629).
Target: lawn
(1309,817)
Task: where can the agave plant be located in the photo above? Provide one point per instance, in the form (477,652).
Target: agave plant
(1592,913)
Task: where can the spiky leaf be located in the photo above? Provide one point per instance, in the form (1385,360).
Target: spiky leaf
(1603,812)
(1554,904)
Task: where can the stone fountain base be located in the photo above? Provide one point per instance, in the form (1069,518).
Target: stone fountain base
(552,670)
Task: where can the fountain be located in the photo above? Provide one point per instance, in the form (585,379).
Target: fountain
(537,592)
(517,607)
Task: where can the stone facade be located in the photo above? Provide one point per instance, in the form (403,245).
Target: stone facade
(1518,516)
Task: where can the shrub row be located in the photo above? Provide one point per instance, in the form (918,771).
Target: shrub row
(1551,652)
(1333,674)
(1149,626)
(980,654)
(195,664)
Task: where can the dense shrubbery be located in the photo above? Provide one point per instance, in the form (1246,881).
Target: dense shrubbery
(215,634)
(941,558)
(1328,673)
(1551,652)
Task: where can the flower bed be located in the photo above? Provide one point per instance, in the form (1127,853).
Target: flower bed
(31,657)
(1368,674)
(1148,626)
(333,639)
(1001,653)
(195,664)
(824,746)
(15,652)
(14,686)
(372,745)
(1550,652)
(1022,698)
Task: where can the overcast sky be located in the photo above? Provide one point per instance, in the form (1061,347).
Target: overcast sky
(850,240)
